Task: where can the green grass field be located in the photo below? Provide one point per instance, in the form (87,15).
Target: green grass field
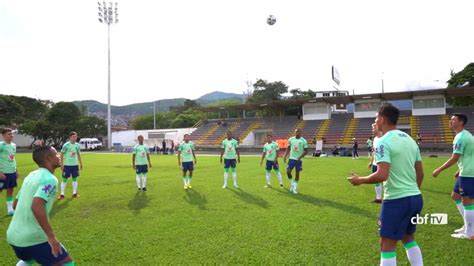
(329,222)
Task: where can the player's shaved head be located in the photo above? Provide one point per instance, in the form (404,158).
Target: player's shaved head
(41,155)
(298,132)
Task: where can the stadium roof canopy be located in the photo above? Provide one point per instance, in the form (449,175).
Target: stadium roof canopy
(388,96)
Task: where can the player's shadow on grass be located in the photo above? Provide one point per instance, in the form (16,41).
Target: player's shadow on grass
(60,205)
(252,199)
(138,202)
(328,203)
(195,198)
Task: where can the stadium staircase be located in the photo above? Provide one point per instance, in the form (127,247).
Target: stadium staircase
(300,124)
(413,121)
(310,129)
(335,131)
(232,128)
(255,125)
(447,132)
(206,135)
(350,130)
(321,132)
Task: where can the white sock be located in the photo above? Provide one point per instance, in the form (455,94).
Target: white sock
(63,187)
(268,176)
(138,181)
(378,192)
(414,254)
(469,220)
(144,180)
(295,185)
(389,260)
(226,176)
(22,263)
(189,180)
(460,207)
(234,178)
(185,181)
(74,187)
(9,206)
(280,179)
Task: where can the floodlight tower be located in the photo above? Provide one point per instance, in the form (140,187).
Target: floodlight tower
(108,14)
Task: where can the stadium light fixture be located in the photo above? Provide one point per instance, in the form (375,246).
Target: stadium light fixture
(108,14)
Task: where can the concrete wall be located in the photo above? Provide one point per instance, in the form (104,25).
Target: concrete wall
(129,137)
(21,141)
(314,111)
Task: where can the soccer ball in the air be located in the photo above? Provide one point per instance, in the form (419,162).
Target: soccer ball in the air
(271,20)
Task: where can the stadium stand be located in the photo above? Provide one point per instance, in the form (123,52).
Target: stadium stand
(339,130)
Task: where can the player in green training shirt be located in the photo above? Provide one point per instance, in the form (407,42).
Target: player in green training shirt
(187,160)
(8,171)
(141,161)
(231,155)
(463,192)
(30,233)
(297,149)
(400,169)
(71,164)
(270,152)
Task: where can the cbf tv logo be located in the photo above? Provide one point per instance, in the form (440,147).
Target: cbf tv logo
(434,218)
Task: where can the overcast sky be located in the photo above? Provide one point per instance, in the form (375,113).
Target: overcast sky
(57,50)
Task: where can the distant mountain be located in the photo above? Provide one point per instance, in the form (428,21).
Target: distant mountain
(218,95)
(131,109)
(121,115)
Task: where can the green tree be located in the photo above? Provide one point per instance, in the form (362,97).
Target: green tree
(10,111)
(59,120)
(267,91)
(91,126)
(299,94)
(460,79)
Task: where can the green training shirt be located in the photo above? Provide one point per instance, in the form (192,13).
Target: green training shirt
(271,151)
(463,144)
(186,150)
(400,151)
(297,147)
(230,148)
(24,230)
(7,157)
(141,152)
(71,152)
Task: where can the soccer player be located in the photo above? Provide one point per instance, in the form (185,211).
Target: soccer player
(71,163)
(270,152)
(463,192)
(141,161)
(372,165)
(297,149)
(370,144)
(30,233)
(8,171)
(231,155)
(187,160)
(355,148)
(399,166)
